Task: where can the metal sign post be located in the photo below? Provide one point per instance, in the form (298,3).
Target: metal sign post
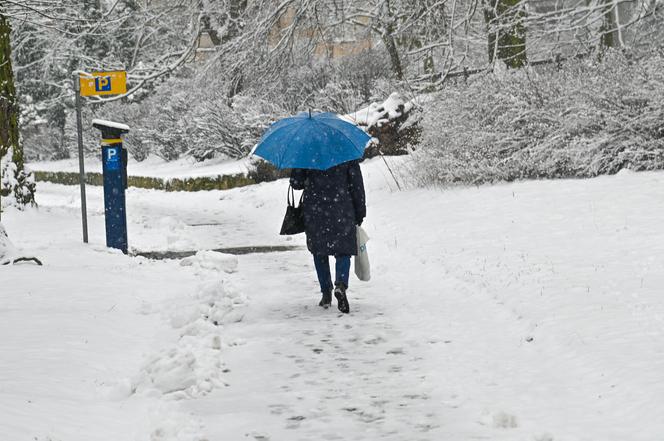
(81,162)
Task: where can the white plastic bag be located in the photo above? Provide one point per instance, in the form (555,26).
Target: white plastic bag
(362,268)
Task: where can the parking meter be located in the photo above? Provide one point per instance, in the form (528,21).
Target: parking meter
(114,165)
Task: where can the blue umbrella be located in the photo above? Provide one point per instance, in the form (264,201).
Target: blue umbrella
(318,141)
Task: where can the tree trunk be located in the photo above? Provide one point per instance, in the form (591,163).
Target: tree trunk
(21,184)
(8,104)
(608,28)
(233,23)
(393,51)
(8,116)
(506,32)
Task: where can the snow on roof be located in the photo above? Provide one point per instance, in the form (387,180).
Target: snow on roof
(113,124)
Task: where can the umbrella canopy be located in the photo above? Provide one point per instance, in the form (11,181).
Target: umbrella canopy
(317,141)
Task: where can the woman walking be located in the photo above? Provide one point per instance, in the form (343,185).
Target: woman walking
(334,203)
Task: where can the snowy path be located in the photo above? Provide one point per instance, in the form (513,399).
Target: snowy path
(529,311)
(328,376)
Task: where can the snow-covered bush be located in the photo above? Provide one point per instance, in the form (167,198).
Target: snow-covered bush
(17,185)
(352,82)
(6,247)
(200,113)
(188,116)
(256,114)
(339,86)
(584,119)
(295,89)
(394,123)
(168,127)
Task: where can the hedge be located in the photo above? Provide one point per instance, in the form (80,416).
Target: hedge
(224,182)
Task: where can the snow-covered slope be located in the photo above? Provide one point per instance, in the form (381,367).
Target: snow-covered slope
(526,311)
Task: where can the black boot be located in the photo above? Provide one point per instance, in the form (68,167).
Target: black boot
(326,300)
(342,300)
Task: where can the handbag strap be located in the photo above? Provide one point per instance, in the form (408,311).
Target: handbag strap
(291,197)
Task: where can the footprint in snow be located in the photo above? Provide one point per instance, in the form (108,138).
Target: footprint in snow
(294,422)
(374,340)
(499,420)
(423,427)
(417,396)
(278,409)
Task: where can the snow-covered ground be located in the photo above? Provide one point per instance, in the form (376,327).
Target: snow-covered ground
(526,311)
(152,167)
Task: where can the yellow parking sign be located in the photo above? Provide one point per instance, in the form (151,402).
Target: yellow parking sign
(103,83)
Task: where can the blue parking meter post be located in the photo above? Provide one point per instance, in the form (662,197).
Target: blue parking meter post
(114,164)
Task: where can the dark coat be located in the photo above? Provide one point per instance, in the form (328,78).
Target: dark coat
(333,205)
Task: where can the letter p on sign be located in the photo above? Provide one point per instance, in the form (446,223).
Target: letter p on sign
(103,84)
(112,153)
(112,158)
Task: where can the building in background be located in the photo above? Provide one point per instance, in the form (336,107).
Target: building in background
(331,35)
(334,36)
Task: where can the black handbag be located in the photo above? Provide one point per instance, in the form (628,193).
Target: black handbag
(294,219)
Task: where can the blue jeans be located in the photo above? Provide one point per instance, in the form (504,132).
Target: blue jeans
(342,268)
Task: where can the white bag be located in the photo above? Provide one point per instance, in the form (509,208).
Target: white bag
(362,268)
